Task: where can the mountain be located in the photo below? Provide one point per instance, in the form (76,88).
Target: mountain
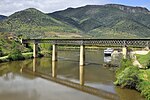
(97,21)
(111,20)
(2,17)
(33,23)
(129,9)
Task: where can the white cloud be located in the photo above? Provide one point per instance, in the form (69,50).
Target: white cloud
(8,7)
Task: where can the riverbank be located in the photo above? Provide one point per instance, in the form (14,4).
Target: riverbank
(133,77)
(43,52)
(27,55)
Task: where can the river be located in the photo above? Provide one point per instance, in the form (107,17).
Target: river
(42,79)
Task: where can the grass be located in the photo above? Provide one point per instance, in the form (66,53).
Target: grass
(143,59)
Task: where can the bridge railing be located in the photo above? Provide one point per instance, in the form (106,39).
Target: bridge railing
(101,42)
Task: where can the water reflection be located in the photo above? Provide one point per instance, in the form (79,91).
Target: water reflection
(79,86)
(107,59)
(54,69)
(81,74)
(42,75)
(34,64)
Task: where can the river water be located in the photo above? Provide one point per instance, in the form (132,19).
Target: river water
(42,79)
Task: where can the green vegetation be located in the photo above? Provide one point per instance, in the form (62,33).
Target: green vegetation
(108,20)
(144,60)
(11,49)
(33,23)
(144,85)
(9,41)
(46,49)
(15,54)
(124,64)
(98,21)
(129,76)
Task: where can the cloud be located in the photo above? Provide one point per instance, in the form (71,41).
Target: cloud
(8,7)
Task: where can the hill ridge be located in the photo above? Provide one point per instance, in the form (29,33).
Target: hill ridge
(101,21)
(129,8)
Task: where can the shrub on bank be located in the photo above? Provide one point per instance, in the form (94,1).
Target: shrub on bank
(144,88)
(128,77)
(15,55)
(132,77)
(124,64)
(144,85)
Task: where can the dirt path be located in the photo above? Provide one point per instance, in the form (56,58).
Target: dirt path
(135,61)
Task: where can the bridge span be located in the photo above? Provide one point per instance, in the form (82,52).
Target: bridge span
(124,43)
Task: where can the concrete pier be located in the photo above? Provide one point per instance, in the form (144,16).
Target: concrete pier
(54,53)
(82,55)
(124,52)
(35,50)
(148,46)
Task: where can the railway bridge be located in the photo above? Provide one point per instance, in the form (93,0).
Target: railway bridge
(124,43)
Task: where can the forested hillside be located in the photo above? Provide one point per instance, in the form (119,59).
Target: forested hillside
(33,23)
(94,21)
(111,20)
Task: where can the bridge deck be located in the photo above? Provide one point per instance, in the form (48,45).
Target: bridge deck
(101,42)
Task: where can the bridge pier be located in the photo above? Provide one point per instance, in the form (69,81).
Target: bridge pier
(54,53)
(82,55)
(124,52)
(148,46)
(35,50)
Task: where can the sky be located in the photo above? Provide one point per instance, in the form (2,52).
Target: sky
(8,7)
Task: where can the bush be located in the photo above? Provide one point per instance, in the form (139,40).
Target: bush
(131,77)
(128,78)
(144,88)
(124,64)
(15,55)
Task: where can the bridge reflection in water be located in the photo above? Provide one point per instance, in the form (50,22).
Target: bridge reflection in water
(79,86)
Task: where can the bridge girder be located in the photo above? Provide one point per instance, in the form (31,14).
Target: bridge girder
(100,42)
